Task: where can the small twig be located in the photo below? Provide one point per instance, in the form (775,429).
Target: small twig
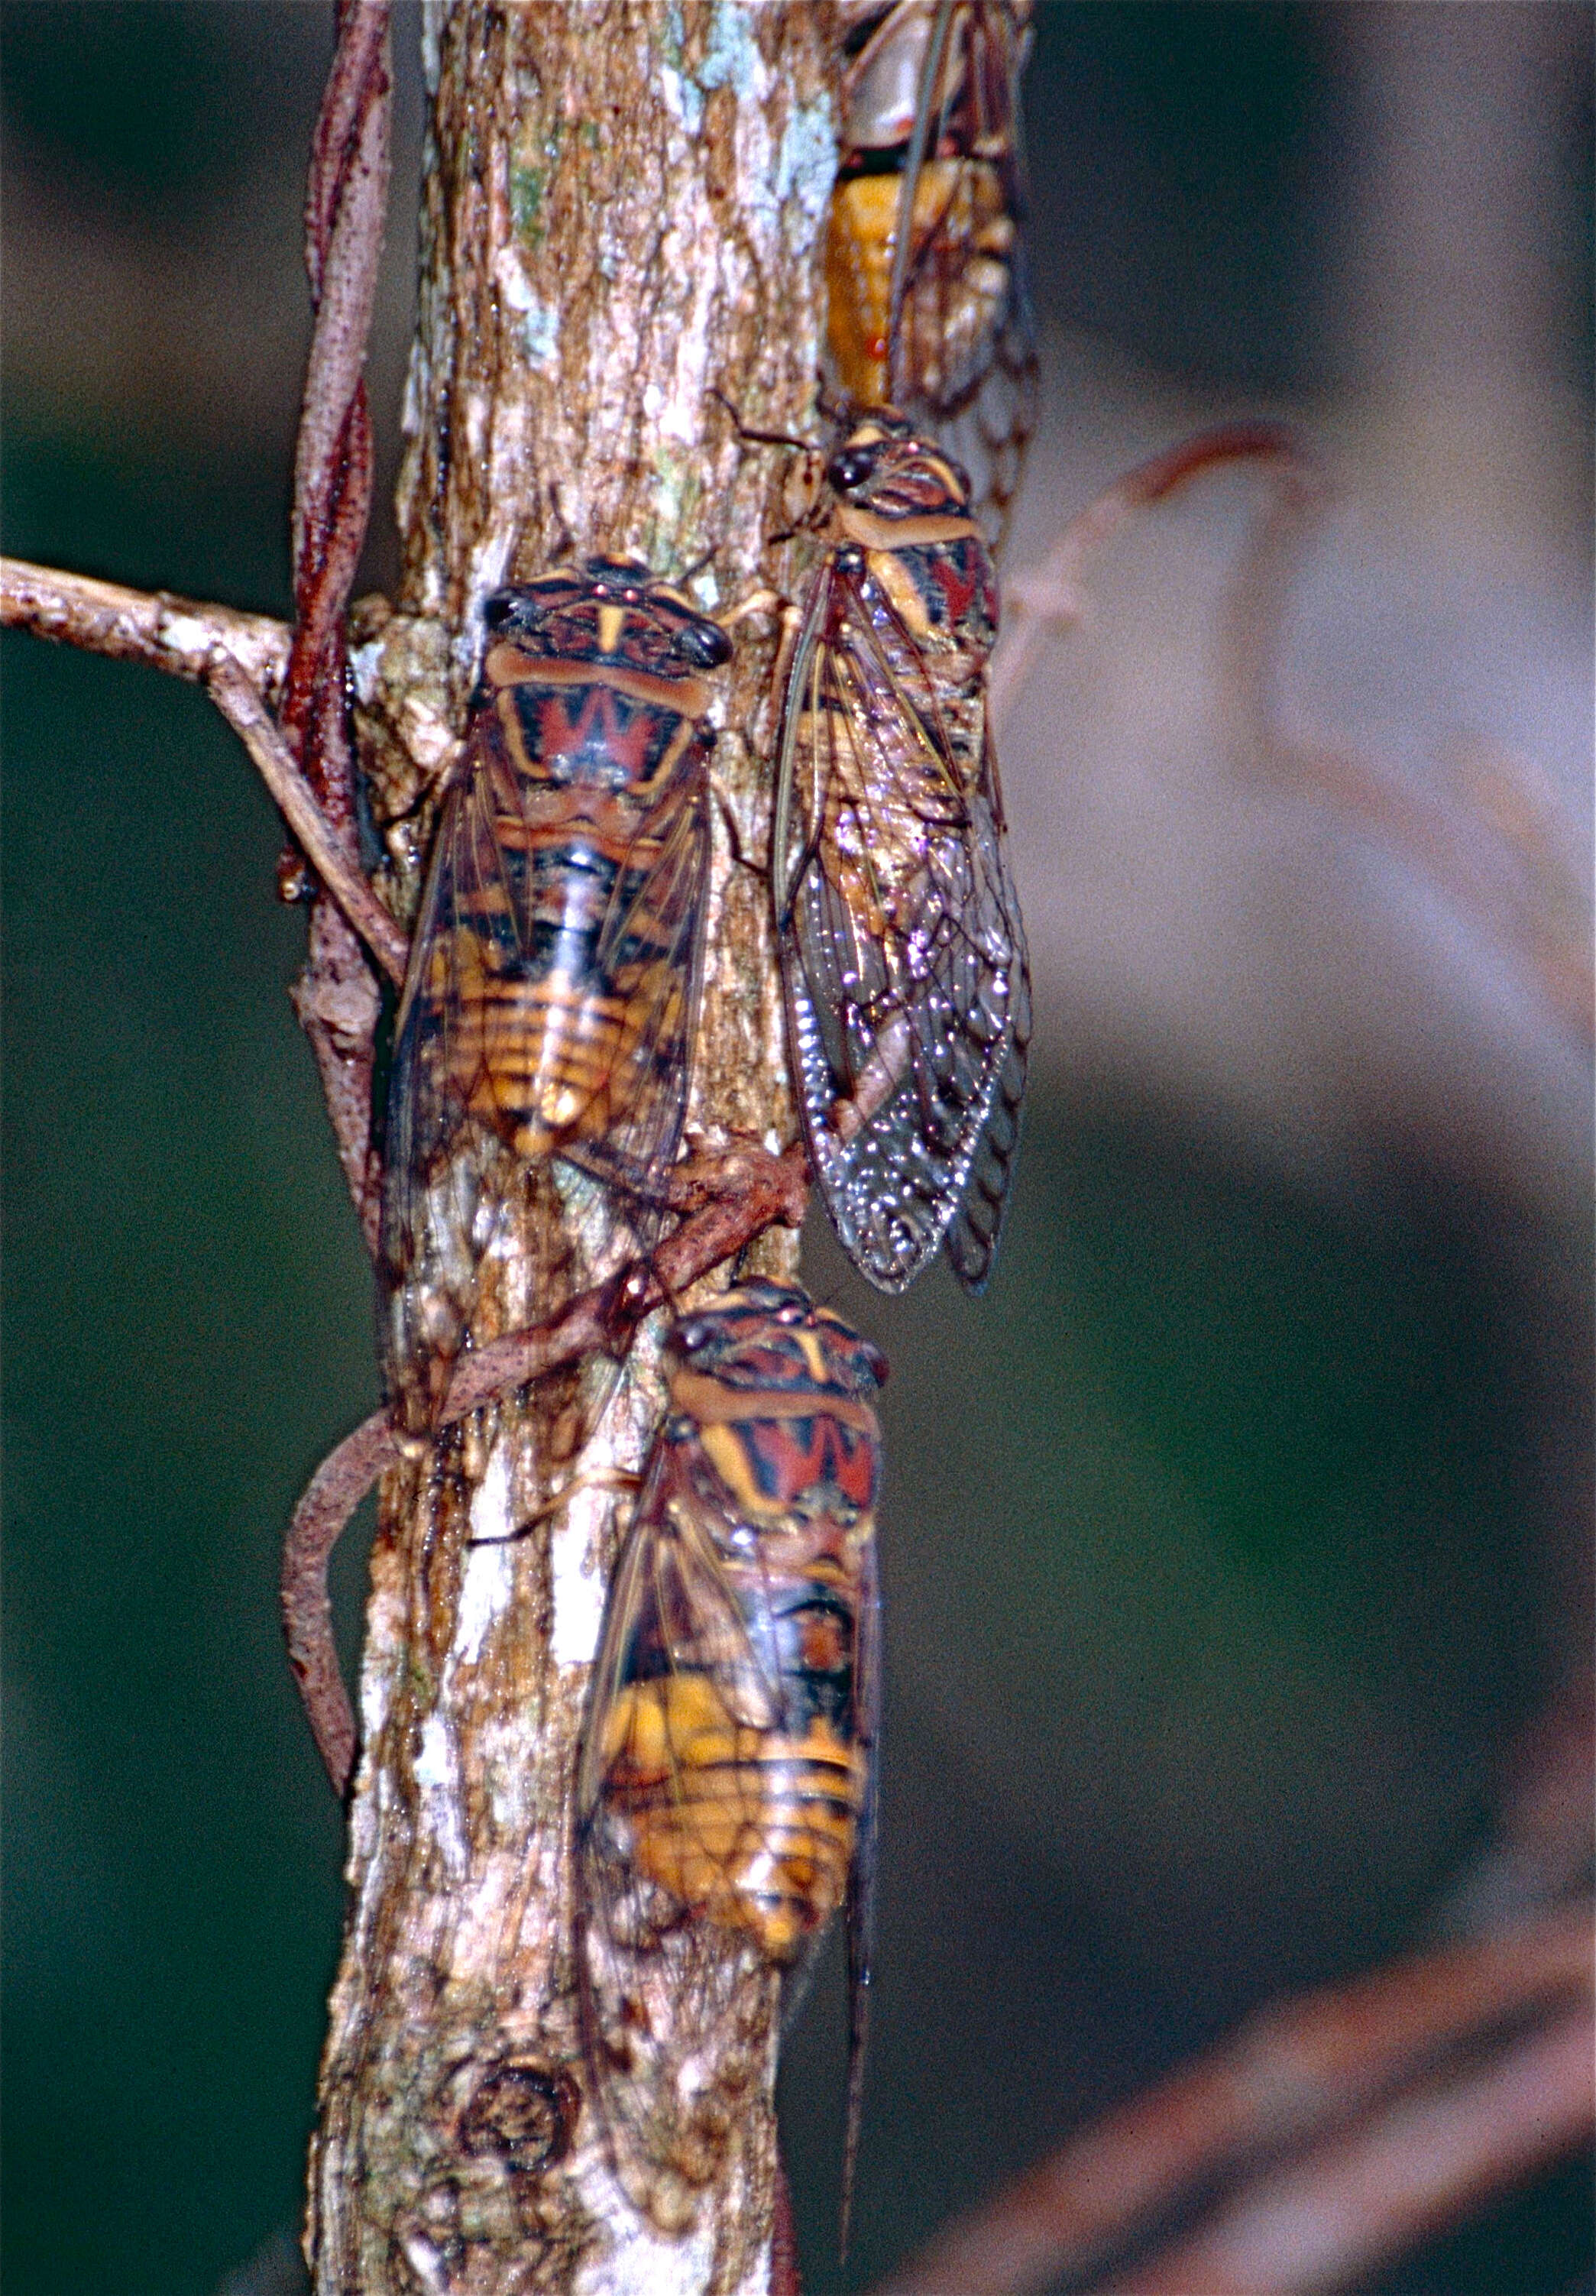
(757,1191)
(1456,845)
(177,635)
(241,706)
(1293,2073)
(1052,591)
(346,206)
(1415,2168)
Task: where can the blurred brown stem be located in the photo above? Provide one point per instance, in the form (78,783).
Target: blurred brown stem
(335,998)
(1386,2139)
(1052,593)
(1480,847)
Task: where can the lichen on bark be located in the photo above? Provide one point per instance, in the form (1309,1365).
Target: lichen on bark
(620,217)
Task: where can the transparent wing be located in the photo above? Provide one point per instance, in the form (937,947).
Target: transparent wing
(672,2029)
(651,953)
(441,1143)
(963,347)
(898,933)
(972,1238)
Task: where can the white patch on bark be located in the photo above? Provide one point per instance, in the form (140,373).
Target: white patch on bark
(578,1582)
(437,1775)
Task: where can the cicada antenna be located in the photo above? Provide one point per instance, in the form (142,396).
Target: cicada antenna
(838,412)
(691,573)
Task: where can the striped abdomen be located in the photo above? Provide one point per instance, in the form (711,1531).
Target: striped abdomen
(750,1828)
(544,1034)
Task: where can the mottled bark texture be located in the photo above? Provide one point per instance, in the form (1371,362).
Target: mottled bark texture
(620,218)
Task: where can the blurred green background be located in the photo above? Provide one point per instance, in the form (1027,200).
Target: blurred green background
(1225,1544)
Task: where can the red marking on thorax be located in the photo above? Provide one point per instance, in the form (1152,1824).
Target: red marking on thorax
(960,587)
(598,725)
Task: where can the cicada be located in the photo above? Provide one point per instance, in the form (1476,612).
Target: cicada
(548,1014)
(903,954)
(927,301)
(726,1789)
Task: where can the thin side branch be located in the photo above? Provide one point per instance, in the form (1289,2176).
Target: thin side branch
(152,627)
(757,1191)
(1292,2075)
(345,205)
(1488,847)
(241,660)
(1415,2167)
(1051,595)
(241,705)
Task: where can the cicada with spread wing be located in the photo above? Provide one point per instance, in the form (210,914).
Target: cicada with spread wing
(928,306)
(902,950)
(548,1015)
(726,1791)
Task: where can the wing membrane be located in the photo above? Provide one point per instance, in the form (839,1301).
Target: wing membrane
(903,954)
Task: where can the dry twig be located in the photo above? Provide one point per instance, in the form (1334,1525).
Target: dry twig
(1486,845)
(756,1191)
(345,205)
(152,627)
(1293,2080)
(1051,596)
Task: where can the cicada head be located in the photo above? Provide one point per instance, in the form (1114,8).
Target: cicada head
(886,468)
(772,1335)
(611,612)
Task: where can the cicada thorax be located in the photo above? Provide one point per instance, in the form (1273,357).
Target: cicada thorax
(725,1793)
(544,1037)
(902,949)
(927,301)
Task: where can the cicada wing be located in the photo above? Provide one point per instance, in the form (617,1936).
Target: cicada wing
(673,2031)
(897,940)
(972,1238)
(438,1216)
(650,951)
(964,354)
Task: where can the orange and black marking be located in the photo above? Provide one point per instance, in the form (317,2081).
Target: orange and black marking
(555,973)
(726,1793)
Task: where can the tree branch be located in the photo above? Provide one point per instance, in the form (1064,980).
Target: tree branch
(756,1191)
(620,218)
(346,204)
(1412,2168)
(152,627)
(1295,2075)
(241,705)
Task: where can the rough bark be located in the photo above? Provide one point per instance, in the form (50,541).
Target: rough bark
(620,213)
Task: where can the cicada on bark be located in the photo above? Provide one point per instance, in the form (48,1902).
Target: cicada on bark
(546,1027)
(726,1790)
(903,954)
(928,306)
